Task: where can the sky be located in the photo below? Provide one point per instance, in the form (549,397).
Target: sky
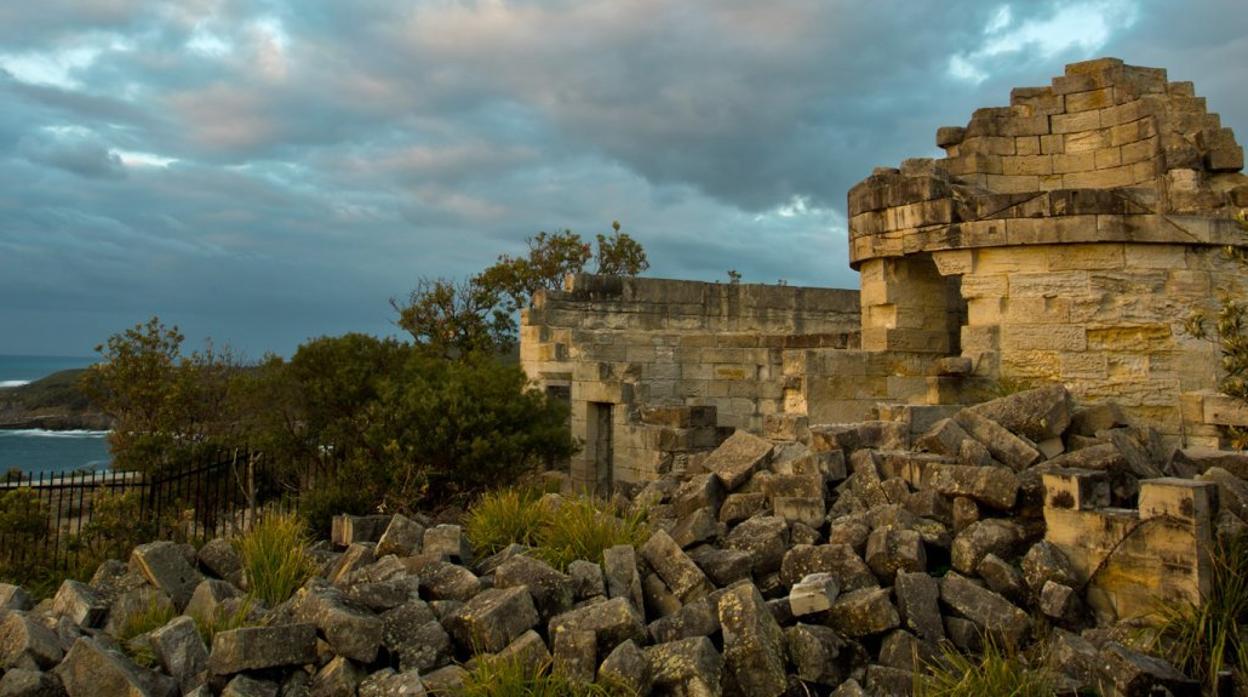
(267,171)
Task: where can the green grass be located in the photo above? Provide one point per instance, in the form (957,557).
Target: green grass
(996,673)
(154,616)
(276,561)
(224,621)
(577,528)
(501,678)
(1203,640)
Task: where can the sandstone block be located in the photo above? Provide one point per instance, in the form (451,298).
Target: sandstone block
(1036,414)
(996,487)
(979,539)
(259,648)
(677,570)
(492,619)
(403,537)
(553,592)
(863,612)
(813,594)
(27,644)
(691,664)
(354,633)
(79,604)
(917,602)
(737,458)
(613,621)
(890,550)
(839,560)
(627,667)
(623,580)
(765,538)
(181,652)
(993,613)
(753,642)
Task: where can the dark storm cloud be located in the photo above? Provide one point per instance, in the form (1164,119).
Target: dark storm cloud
(266,170)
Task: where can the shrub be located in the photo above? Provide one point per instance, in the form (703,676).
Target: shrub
(154,616)
(503,517)
(575,528)
(996,673)
(1203,640)
(583,528)
(275,557)
(503,678)
(117,525)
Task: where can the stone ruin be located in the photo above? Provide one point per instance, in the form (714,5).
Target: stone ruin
(1062,239)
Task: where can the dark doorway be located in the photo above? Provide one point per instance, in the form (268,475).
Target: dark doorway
(600,439)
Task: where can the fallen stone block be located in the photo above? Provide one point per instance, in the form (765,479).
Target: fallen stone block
(89,669)
(181,652)
(31,683)
(259,648)
(338,677)
(492,619)
(890,550)
(996,487)
(741,506)
(552,591)
(918,596)
(626,667)
(413,634)
(813,594)
(1000,618)
(722,566)
(703,491)
(613,621)
(14,598)
(445,581)
(1043,563)
(387,683)
(753,642)
(575,655)
(351,632)
(164,566)
(1013,451)
(403,537)
(1060,602)
(765,538)
(220,558)
(1002,578)
(527,651)
(449,542)
(814,650)
(79,604)
(1037,414)
(693,664)
(448,680)
(346,530)
(863,612)
(737,458)
(677,570)
(839,560)
(979,539)
(695,528)
(619,565)
(587,579)
(247,686)
(879,435)
(1138,675)
(27,644)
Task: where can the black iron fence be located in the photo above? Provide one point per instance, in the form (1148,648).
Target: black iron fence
(58,520)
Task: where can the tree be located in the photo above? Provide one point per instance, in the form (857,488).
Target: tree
(166,405)
(456,318)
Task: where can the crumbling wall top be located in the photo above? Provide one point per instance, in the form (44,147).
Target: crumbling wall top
(1108,152)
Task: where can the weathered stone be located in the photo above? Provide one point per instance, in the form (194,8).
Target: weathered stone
(79,604)
(403,537)
(742,505)
(14,598)
(918,604)
(695,528)
(808,511)
(258,648)
(753,642)
(221,559)
(996,487)
(412,633)
(901,649)
(1013,451)
(699,618)
(25,643)
(1036,414)
(492,619)
(1074,656)
(206,601)
(880,435)
(1232,491)
(693,664)
(964,634)
(347,530)
(849,688)
(626,667)
(765,538)
(890,550)
(850,531)
(181,652)
(722,566)
(1043,563)
(1186,463)
(89,669)
(338,677)
(737,458)
(351,632)
(677,570)
(246,686)
(993,613)
(814,593)
(587,579)
(379,596)
(133,602)
(613,622)
(445,581)
(528,651)
(619,565)
(449,542)
(1059,601)
(552,591)
(575,654)
(886,680)
(965,512)
(1138,675)
(30,683)
(703,491)
(849,570)
(387,683)
(813,650)
(357,556)
(448,680)
(990,536)
(164,566)
(1002,577)
(863,612)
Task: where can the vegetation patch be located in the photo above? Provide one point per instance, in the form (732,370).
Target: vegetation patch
(503,678)
(275,556)
(996,673)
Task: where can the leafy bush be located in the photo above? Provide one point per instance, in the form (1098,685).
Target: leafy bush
(996,673)
(117,525)
(276,561)
(574,528)
(1203,640)
(503,678)
(23,516)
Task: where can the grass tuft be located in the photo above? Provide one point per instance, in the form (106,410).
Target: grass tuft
(510,678)
(575,528)
(154,616)
(996,673)
(1204,640)
(224,621)
(276,560)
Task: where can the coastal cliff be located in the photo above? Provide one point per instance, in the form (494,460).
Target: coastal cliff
(54,403)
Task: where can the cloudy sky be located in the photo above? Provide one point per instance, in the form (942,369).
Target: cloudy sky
(264,171)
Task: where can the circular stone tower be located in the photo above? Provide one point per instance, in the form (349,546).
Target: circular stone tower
(1062,238)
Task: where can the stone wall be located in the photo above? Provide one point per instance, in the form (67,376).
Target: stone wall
(654,367)
(1063,238)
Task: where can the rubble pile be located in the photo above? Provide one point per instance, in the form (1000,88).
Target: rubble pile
(832,560)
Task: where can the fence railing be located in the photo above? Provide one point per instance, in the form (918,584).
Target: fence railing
(57,519)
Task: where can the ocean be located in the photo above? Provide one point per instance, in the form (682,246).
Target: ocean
(37,450)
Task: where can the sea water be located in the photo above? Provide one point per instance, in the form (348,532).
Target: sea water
(38,450)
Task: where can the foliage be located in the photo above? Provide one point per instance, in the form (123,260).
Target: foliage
(511,678)
(1202,640)
(500,518)
(1228,327)
(452,318)
(240,616)
(559,533)
(23,515)
(117,525)
(276,560)
(154,616)
(996,673)
(167,406)
(58,390)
